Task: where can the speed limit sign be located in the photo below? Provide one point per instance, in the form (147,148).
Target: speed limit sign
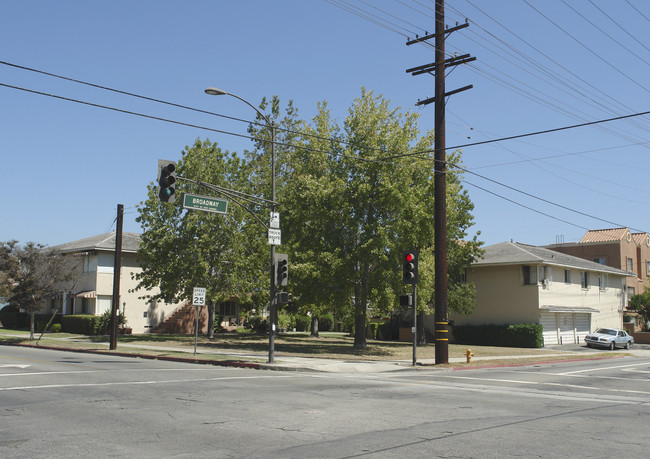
(198,296)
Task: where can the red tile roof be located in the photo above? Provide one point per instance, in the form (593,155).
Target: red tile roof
(606,235)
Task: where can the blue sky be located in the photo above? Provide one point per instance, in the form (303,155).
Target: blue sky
(540,65)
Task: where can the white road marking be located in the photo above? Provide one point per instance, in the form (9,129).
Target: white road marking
(14,365)
(136,383)
(599,369)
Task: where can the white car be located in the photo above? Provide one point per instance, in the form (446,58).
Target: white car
(610,338)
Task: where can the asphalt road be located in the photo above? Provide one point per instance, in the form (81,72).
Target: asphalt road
(60,404)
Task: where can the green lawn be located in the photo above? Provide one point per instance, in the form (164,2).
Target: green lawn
(329,345)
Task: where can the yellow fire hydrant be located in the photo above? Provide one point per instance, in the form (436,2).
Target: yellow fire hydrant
(469,354)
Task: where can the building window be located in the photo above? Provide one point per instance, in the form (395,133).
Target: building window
(630,265)
(602,281)
(86,267)
(529,274)
(584,279)
(567,276)
(630,292)
(601,260)
(228,308)
(647,264)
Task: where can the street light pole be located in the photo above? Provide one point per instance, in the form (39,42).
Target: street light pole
(273,306)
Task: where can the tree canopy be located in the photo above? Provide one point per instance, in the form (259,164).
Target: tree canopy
(32,273)
(358,196)
(352,197)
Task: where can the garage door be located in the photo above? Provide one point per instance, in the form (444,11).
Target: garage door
(567,327)
(549,328)
(583,326)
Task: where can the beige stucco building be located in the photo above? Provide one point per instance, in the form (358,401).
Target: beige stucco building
(93,293)
(569,296)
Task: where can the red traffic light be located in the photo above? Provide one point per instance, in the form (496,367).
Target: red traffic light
(410,267)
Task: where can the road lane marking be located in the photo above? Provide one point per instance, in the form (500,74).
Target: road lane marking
(14,365)
(554,384)
(618,367)
(136,383)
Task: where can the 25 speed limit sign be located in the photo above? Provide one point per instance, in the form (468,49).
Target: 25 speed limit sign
(198,296)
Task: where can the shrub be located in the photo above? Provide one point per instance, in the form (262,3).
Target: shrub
(80,323)
(258,323)
(55,328)
(520,335)
(326,322)
(303,322)
(14,320)
(285,321)
(218,318)
(103,324)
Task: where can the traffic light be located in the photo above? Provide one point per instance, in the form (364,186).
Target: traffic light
(166,180)
(410,263)
(281,268)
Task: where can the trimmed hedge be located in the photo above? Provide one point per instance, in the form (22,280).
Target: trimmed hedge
(81,323)
(14,320)
(520,335)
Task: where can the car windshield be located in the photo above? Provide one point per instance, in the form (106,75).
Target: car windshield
(606,331)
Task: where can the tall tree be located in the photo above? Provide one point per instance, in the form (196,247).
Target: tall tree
(182,249)
(32,273)
(354,204)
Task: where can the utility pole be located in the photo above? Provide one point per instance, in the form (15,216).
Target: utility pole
(117,268)
(440,169)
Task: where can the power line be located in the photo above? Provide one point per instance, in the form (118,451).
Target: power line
(519,136)
(525,206)
(118,91)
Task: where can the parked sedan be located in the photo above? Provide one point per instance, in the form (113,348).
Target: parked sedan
(610,338)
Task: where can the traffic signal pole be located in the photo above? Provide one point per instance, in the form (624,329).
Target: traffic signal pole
(272,304)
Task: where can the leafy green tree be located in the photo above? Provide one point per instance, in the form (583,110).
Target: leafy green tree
(352,210)
(229,254)
(182,249)
(32,273)
(641,304)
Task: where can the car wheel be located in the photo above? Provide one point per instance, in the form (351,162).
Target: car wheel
(628,345)
(588,344)
(612,346)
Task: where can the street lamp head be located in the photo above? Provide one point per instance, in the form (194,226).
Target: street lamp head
(215,92)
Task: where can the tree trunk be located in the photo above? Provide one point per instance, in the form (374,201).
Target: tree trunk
(31,325)
(314,326)
(360,328)
(360,313)
(211,309)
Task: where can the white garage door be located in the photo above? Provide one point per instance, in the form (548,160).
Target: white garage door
(583,326)
(549,328)
(567,327)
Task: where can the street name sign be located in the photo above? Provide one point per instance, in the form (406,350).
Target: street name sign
(205,203)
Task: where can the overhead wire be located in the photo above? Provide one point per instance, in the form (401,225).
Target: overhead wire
(250,137)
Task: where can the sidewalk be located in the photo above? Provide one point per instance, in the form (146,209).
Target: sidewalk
(292,363)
